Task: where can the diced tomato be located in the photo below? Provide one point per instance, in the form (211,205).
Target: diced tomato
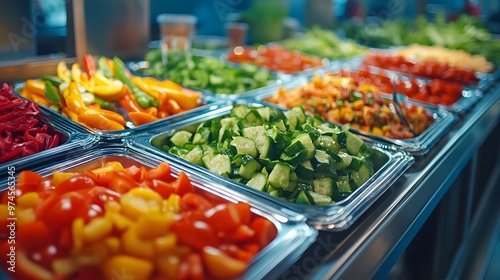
(29,177)
(189,233)
(191,201)
(33,236)
(223,217)
(121,182)
(265,231)
(100,195)
(77,182)
(244,212)
(161,172)
(182,184)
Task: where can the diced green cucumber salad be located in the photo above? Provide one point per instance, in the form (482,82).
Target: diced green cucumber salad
(289,155)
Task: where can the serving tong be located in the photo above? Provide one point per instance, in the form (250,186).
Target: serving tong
(397,100)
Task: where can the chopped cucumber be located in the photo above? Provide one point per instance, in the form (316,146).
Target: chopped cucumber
(180,138)
(244,146)
(353,143)
(280,176)
(323,186)
(258,182)
(248,167)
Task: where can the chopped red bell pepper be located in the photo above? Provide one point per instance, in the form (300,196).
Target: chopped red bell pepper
(22,133)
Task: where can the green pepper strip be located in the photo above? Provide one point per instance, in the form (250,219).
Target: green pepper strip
(56,81)
(142,98)
(103,66)
(50,92)
(104,104)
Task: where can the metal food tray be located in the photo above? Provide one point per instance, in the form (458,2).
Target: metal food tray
(129,128)
(486,80)
(470,95)
(336,217)
(420,145)
(136,68)
(71,137)
(293,235)
(283,75)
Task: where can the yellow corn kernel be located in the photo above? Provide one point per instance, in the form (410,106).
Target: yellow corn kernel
(112,206)
(146,194)
(59,177)
(167,266)
(135,246)
(165,244)
(25,215)
(77,231)
(172,204)
(113,245)
(119,221)
(93,254)
(358,104)
(154,225)
(136,204)
(64,267)
(28,200)
(96,229)
(135,268)
(378,131)
(110,167)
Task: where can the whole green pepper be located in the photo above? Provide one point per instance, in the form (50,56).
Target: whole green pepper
(142,98)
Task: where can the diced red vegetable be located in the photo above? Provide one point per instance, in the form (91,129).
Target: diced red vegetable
(21,131)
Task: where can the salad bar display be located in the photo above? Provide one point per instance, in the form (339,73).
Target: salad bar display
(231,166)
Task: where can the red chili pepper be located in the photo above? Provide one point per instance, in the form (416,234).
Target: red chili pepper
(89,65)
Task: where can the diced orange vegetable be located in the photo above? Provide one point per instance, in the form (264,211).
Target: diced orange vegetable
(98,121)
(140,118)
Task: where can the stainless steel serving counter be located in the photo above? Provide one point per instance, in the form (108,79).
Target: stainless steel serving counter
(372,247)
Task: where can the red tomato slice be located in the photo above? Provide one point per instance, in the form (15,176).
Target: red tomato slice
(139,174)
(76,182)
(191,201)
(223,217)
(104,179)
(161,172)
(182,184)
(237,252)
(265,231)
(195,266)
(163,188)
(65,209)
(29,177)
(100,195)
(244,212)
(121,182)
(33,236)
(241,233)
(196,234)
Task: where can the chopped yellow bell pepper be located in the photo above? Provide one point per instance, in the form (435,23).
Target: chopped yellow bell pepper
(25,215)
(62,71)
(136,268)
(113,166)
(113,244)
(167,266)
(140,201)
(76,231)
(154,225)
(36,87)
(110,92)
(133,245)
(59,177)
(97,229)
(64,267)
(172,204)
(28,200)
(165,244)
